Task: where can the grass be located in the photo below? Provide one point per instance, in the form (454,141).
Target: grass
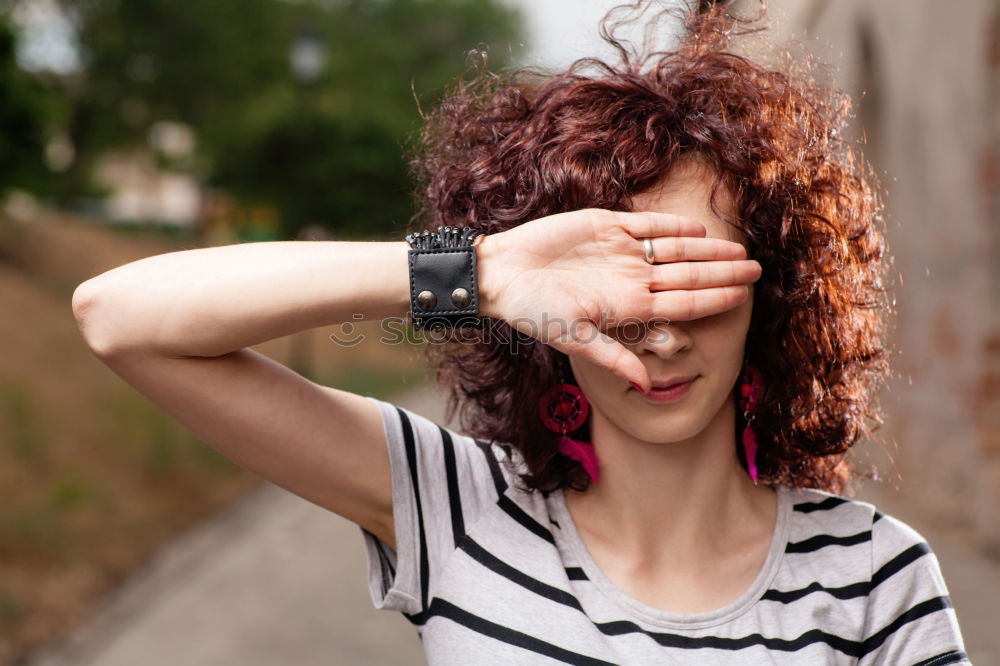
(24,425)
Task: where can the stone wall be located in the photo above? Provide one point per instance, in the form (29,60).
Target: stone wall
(925,80)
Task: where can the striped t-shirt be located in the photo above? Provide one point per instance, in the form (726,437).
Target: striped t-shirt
(491,574)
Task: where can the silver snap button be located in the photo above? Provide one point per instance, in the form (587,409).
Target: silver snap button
(426,300)
(461,298)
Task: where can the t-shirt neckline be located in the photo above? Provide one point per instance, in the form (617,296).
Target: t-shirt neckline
(667,619)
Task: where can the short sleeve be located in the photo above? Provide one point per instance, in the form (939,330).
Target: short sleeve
(910,618)
(442,482)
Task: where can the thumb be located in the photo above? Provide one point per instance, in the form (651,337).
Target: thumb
(589,342)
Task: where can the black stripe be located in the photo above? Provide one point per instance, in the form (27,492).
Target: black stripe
(949,657)
(823,540)
(507,504)
(494,563)
(851,591)
(411,458)
(454,497)
(854,590)
(877,517)
(808,638)
(828,503)
(504,634)
(576,573)
(897,563)
(525,519)
(385,568)
(621,627)
(915,613)
(416,619)
(383,555)
(498,481)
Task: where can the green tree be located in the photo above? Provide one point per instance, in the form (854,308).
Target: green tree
(200,63)
(26,112)
(324,152)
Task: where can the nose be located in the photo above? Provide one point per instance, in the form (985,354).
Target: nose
(664,339)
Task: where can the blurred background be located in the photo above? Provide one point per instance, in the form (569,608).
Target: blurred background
(135,127)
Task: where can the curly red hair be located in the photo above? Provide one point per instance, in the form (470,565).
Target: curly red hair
(503,149)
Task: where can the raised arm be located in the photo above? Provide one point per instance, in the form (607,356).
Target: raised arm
(211,301)
(177,326)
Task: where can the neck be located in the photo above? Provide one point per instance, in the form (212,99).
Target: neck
(679,502)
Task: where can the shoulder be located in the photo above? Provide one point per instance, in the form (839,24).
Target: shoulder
(908,613)
(468,460)
(816,512)
(444,483)
(855,537)
(844,515)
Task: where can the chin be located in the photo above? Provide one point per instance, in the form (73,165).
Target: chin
(668,428)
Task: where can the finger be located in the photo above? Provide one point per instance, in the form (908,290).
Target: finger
(649,225)
(685,248)
(701,275)
(590,343)
(685,305)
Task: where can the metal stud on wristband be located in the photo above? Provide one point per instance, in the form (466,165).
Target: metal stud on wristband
(444,289)
(443,237)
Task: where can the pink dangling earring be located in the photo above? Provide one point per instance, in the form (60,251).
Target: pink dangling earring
(563,409)
(751,386)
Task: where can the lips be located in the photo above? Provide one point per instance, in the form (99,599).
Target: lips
(666,383)
(673,382)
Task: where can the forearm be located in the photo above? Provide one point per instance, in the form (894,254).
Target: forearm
(212,301)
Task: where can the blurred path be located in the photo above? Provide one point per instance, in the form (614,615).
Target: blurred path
(278,580)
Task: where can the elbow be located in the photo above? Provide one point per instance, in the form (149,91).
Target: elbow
(89,312)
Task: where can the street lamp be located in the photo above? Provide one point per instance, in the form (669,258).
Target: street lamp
(307,55)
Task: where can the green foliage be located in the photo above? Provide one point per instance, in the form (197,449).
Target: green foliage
(27,439)
(197,62)
(325,152)
(37,530)
(26,111)
(71,489)
(10,608)
(343,173)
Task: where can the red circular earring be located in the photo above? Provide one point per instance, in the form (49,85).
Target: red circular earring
(751,387)
(563,409)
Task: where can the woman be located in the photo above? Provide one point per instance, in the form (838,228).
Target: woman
(654,422)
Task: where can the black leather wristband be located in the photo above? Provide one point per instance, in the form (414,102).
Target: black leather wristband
(444,290)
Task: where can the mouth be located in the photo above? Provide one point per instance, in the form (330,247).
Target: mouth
(669,389)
